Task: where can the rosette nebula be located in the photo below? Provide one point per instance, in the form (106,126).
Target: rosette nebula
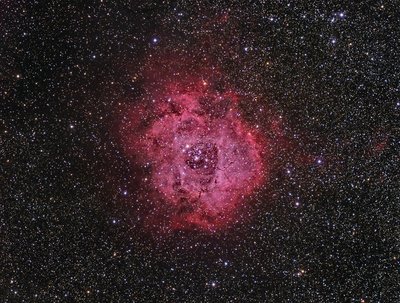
(205,161)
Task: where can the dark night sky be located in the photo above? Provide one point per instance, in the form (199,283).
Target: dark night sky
(324,228)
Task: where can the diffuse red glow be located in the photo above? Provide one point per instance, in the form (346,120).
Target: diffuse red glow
(205,158)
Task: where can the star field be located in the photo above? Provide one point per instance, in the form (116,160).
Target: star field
(318,79)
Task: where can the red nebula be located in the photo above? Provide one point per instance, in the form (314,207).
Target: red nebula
(205,160)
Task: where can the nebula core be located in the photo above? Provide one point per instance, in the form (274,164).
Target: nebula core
(205,160)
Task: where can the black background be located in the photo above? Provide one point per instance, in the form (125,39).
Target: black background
(324,231)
